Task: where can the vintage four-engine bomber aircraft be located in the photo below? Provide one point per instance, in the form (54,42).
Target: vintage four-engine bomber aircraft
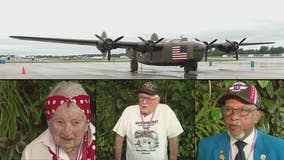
(161,52)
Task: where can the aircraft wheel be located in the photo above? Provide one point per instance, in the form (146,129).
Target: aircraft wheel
(133,65)
(191,66)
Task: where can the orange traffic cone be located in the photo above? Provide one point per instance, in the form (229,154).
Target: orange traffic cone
(23,71)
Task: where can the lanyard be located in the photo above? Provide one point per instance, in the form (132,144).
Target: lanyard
(252,146)
(78,152)
(149,125)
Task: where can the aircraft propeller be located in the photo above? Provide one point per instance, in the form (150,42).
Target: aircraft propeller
(208,46)
(235,46)
(107,44)
(150,44)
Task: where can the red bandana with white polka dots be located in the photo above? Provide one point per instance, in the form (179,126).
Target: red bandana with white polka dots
(83,102)
(53,102)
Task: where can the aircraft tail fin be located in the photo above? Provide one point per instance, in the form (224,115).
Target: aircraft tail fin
(154,37)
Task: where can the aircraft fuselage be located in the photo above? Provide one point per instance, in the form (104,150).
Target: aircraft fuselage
(175,52)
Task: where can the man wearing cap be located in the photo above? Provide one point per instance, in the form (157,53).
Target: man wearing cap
(242,141)
(148,127)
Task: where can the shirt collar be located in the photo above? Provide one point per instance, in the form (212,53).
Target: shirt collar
(47,139)
(248,139)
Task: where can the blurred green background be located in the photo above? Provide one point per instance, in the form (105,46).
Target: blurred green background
(194,101)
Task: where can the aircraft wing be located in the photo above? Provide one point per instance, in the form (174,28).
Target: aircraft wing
(58,40)
(258,43)
(120,44)
(233,46)
(216,45)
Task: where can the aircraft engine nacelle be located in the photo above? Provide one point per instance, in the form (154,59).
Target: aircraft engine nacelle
(107,45)
(229,47)
(101,47)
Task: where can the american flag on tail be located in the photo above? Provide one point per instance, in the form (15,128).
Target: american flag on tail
(179,52)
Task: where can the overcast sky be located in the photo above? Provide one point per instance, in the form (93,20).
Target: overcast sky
(257,20)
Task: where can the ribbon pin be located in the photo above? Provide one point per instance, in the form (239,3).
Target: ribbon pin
(263,157)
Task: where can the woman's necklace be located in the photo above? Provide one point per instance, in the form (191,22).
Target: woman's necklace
(78,151)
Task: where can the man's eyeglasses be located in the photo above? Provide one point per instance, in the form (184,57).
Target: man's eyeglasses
(148,99)
(227,111)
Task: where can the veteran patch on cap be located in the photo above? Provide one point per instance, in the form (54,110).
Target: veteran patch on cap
(246,93)
(149,88)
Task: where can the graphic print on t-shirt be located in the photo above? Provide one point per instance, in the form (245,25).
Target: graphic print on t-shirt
(146,141)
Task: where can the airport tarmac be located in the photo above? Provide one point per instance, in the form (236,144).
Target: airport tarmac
(263,68)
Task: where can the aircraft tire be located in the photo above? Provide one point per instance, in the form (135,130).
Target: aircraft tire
(133,65)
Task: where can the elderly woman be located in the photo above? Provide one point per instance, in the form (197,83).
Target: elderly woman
(70,135)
